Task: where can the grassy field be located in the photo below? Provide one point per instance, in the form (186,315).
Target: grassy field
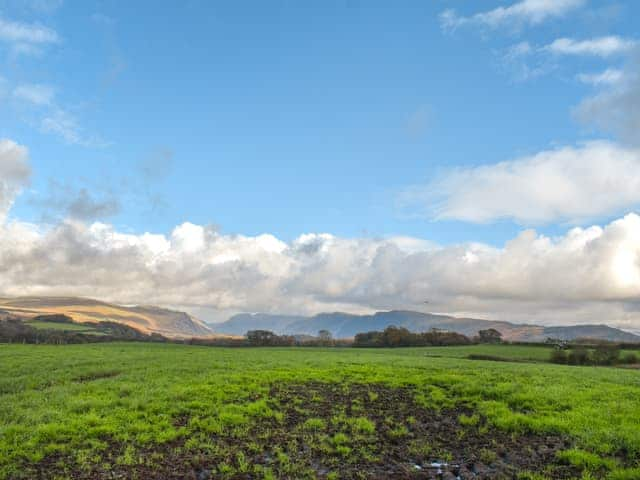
(64,327)
(126,410)
(510,352)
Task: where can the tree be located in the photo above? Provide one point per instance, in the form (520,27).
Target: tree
(261,337)
(491,335)
(578,356)
(606,355)
(558,356)
(325,337)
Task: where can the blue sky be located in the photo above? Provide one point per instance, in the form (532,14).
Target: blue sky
(290,117)
(453,124)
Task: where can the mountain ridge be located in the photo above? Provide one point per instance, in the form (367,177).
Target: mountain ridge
(145,318)
(345,325)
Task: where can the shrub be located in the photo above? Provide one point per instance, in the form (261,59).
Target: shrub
(606,355)
(578,356)
(559,356)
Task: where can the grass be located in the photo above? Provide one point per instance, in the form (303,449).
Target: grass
(523,353)
(102,407)
(65,327)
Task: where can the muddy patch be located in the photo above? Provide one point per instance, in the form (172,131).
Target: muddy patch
(334,431)
(92,376)
(397,438)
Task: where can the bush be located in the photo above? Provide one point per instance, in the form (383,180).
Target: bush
(578,356)
(606,355)
(630,358)
(559,356)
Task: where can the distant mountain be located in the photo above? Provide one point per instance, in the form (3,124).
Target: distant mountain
(147,319)
(243,322)
(344,325)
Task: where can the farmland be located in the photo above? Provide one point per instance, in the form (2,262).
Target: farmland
(132,410)
(64,327)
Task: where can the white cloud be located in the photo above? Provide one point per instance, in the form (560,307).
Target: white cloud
(564,184)
(524,62)
(37,94)
(535,278)
(14,173)
(525,12)
(600,47)
(528,61)
(610,76)
(26,38)
(65,125)
(53,118)
(18,32)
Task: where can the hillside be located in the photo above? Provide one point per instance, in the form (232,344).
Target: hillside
(146,319)
(343,325)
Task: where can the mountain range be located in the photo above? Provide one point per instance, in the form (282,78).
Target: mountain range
(173,323)
(344,325)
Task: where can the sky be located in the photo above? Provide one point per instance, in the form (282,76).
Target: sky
(300,157)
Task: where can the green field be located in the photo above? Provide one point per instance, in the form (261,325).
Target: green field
(511,352)
(64,327)
(132,410)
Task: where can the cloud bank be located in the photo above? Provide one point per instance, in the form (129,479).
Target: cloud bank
(543,277)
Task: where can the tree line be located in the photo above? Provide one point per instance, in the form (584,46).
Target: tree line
(393,336)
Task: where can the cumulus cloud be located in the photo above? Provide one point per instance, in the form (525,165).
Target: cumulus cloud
(548,279)
(600,47)
(525,12)
(564,184)
(14,173)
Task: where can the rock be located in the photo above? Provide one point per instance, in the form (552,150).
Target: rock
(204,474)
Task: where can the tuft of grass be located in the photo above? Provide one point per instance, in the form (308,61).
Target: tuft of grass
(314,424)
(586,460)
(362,425)
(469,420)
